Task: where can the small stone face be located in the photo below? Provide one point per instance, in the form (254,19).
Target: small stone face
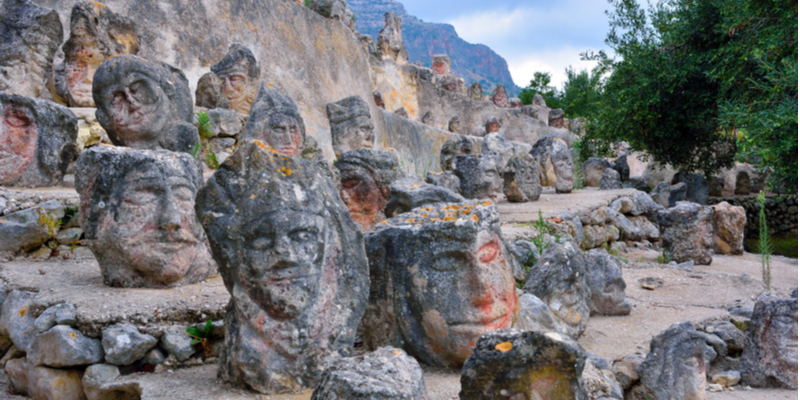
(521,180)
(351,125)
(454,125)
(453,147)
(137,209)
(450,83)
(238,73)
(475,91)
(446,274)
(441,64)
(770,352)
(144,105)
(500,96)
(366,175)
(561,157)
(675,366)
(492,125)
(209,92)
(480,177)
(275,120)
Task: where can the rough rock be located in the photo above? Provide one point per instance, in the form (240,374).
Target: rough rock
(209,93)
(677,192)
(452,148)
(63,346)
(643,204)
(492,125)
(333,9)
(446,179)
(604,276)
(524,251)
(16,320)
(59,314)
(610,180)
(22,230)
(727,378)
(294,223)
(521,179)
(531,365)
(535,315)
(660,194)
(559,279)
(729,223)
(742,183)
(411,192)
(770,352)
(69,235)
(555,163)
(178,343)
(556,118)
(496,145)
(621,166)
(98,375)
(479,177)
(239,75)
(351,125)
(475,91)
(55,384)
(38,139)
(390,40)
(17,371)
(137,211)
(593,170)
(687,232)
(275,120)
(123,344)
(696,186)
(224,122)
(366,175)
(454,125)
(626,371)
(675,367)
(154,357)
(500,96)
(451,261)
(598,380)
(387,373)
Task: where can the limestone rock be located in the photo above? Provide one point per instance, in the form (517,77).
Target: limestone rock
(675,367)
(351,125)
(446,179)
(496,145)
(38,139)
(593,170)
(604,276)
(17,371)
(535,315)
(98,375)
(729,223)
(452,148)
(390,40)
(275,120)
(154,357)
(660,194)
(123,344)
(500,96)
(63,346)
(69,235)
(178,343)
(59,314)
(225,122)
(696,186)
(387,373)
(687,232)
(626,371)
(239,75)
(366,175)
(677,192)
(454,125)
(531,365)
(16,320)
(334,9)
(55,384)
(411,192)
(521,180)
(727,378)
(643,204)
(742,183)
(22,230)
(598,381)
(770,352)
(610,180)
(621,166)
(555,163)
(479,176)
(556,118)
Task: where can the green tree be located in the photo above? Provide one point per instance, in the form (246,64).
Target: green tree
(540,85)
(581,94)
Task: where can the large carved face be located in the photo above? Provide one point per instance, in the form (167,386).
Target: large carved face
(487,180)
(139,109)
(500,99)
(208,92)
(363,195)
(235,86)
(284,134)
(81,65)
(354,133)
(18,141)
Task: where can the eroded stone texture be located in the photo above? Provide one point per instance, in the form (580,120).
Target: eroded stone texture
(63,346)
(446,179)
(123,344)
(514,102)
(366,175)
(351,125)
(770,353)
(275,120)
(521,180)
(687,232)
(556,118)
(559,279)
(535,315)
(294,262)
(452,148)
(37,141)
(742,183)
(440,64)
(29,37)
(411,192)
(500,96)
(492,125)
(454,125)
(450,83)
(621,166)
(390,40)
(334,9)
(675,366)
(387,373)
(440,277)
(729,223)
(660,194)
(96,33)
(137,211)
(610,180)
(239,73)
(509,364)
(604,276)
(479,176)
(475,91)
(16,320)
(497,146)
(556,166)
(593,169)
(209,92)
(144,105)
(696,186)
(55,384)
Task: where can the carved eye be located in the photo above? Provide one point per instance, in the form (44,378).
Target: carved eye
(366,128)
(303,236)
(262,243)
(447,262)
(184,193)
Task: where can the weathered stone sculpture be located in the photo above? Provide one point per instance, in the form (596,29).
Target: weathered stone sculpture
(378,100)
(449,83)
(334,9)
(497,146)
(770,353)
(390,40)
(454,125)
(492,125)
(556,166)
(351,125)
(144,105)
(96,33)
(294,263)
(742,183)
(239,74)
(37,141)
(29,38)
(610,180)
(137,212)
(475,91)
(729,223)
(440,277)
(593,170)
(411,192)
(514,102)
(452,148)
(604,276)
(556,118)
(509,364)
(440,64)
(275,120)
(366,175)
(500,96)
(209,92)
(687,232)
(521,180)
(480,177)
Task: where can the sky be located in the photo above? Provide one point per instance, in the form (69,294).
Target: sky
(531,35)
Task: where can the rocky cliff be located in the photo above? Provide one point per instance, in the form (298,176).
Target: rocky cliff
(473,62)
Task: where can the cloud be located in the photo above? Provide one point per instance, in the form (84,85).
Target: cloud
(555,62)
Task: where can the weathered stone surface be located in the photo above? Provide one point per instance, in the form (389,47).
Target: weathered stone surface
(696,186)
(351,125)
(687,232)
(29,37)
(366,175)
(144,104)
(17,371)
(387,373)
(604,276)
(450,83)
(677,192)
(390,40)
(734,338)
(610,180)
(500,96)
(333,9)
(660,194)
(239,75)
(492,125)
(137,211)
(440,64)
(69,236)
(98,375)
(154,357)
(742,183)
(440,277)
(593,169)
(509,364)
(446,179)
(535,315)
(475,91)
(626,371)
(770,353)
(675,367)
(209,93)
(452,148)
(727,379)
(559,279)
(496,145)
(96,33)
(639,228)
(555,163)
(63,346)
(598,380)
(621,166)
(123,344)
(729,223)
(411,192)
(293,261)
(178,343)
(521,179)
(55,384)
(37,140)
(454,125)
(556,118)
(479,176)
(275,120)
(59,314)
(16,320)
(23,231)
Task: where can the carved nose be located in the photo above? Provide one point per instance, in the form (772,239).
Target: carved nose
(170,218)
(285,253)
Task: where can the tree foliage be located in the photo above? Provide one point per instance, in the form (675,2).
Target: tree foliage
(540,84)
(578,97)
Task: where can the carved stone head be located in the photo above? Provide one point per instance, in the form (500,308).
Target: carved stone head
(209,92)
(137,209)
(500,96)
(144,105)
(492,125)
(275,120)
(96,33)
(294,263)
(390,40)
(475,91)
(351,125)
(37,141)
(366,175)
(450,83)
(440,277)
(452,148)
(441,64)
(239,74)
(479,175)
(454,125)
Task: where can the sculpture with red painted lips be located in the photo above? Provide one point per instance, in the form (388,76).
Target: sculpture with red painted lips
(440,277)
(275,120)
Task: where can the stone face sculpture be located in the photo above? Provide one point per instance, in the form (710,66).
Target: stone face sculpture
(610,180)
(454,125)
(96,33)
(604,276)
(144,105)
(500,96)
(556,166)
(509,364)
(351,125)
(37,141)
(239,74)
(449,83)
(440,64)
(294,263)
(440,277)
(687,232)
(366,175)
(390,40)
(770,352)
(29,38)
(514,102)
(480,177)
(452,148)
(475,91)
(593,169)
(556,118)
(497,146)
(209,92)
(492,125)
(521,180)
(137,211)
(275,120)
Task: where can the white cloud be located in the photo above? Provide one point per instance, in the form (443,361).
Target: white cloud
(491,26)
(554,62)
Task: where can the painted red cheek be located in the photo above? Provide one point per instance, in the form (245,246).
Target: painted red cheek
(488,252)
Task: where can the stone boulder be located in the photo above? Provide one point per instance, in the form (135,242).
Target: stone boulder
(411,192)
(333,9)
(387,373)
(696,186)
(593,170)
(555,163)
(687,232)
(63,346)
(521,179)
(123,344)
(23,230)
(660,194)
(452,148)
(51,384)
(446,179)
(496,145)
(770,352)
(742,183)
(16,321)
(479,176)
(535,315)
(610,180)
(366,175)
(734,338)
(59,314)
(729,223)
(509,364)
(604,276)
(176,342)
(621,166)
